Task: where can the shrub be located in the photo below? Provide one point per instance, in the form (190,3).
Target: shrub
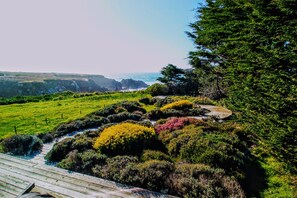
(219,150)
(154,155)
(125,138)
(22,144)
(146,101)
(124,106)
(158,89)
(60,150)
(82,143)
(154,173)
(158,114)
(45,137)
(178,105)
(132,106)
(120,117)
(174,124)
(88,122)
(203,101)
(71,162)
(199,180)
(82,162)
(114,167)
(164,101)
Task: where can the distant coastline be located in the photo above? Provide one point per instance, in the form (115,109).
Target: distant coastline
(147,77)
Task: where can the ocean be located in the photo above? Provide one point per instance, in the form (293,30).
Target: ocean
(148,78)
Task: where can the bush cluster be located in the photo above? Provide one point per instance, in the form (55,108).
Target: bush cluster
(80,124)
(158,89)
(22,144)
(178,105)
(185,180)
(120,117)
(125,138)
(175,123)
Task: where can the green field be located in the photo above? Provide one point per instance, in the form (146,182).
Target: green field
(44,116)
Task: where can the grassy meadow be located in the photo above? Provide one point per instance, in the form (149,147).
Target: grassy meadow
(44,116)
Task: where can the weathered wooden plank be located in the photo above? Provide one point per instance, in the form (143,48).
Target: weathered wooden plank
(26,172)
(66,182)
(62,183)
(63,175)
(6,194)
(4,178)
(10,189)
(56,188)
(51,183)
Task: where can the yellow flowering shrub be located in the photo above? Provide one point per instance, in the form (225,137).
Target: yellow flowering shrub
(178,105)
(125,138)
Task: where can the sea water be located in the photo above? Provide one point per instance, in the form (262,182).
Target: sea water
(148,78)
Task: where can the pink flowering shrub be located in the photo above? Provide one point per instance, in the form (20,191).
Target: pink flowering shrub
(174,124)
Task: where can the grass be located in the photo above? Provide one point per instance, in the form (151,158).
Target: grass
(42,117)
(280,182)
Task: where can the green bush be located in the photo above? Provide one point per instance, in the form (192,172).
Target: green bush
(124,106)
(45,137)
(120,117)
(80,124)
(82,143)
(60,150)
(154,174)
(158,89)
(155,155)
(22,145)
(114,168)
(199,180)
(219,150)
(82,162)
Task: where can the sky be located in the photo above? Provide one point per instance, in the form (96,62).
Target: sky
(94,36)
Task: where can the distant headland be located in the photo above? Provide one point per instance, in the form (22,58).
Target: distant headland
(25,83)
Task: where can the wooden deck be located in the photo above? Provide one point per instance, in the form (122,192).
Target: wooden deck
(16,175)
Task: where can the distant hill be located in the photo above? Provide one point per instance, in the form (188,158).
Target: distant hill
(22,84)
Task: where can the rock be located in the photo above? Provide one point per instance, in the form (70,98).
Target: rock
(133,84)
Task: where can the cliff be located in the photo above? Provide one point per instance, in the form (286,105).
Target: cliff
(21,84)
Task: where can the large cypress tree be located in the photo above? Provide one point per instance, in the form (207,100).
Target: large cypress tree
(253,45)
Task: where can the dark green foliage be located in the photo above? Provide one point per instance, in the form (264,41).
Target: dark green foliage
(148,101)
(22,145)
(45,137)
(199,180)
(25,99)
(218,150)
(155,155)
(82,162)
(252,45)
(120,117)
(154,173)
(82,143)
(60,150)
(115,167)
(158,89)
(124,106)
(80,124)
(180,81)
(164,101)
(158,114)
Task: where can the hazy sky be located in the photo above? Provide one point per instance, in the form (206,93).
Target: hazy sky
(94,36)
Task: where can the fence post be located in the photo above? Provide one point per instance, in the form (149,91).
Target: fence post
(15,130)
